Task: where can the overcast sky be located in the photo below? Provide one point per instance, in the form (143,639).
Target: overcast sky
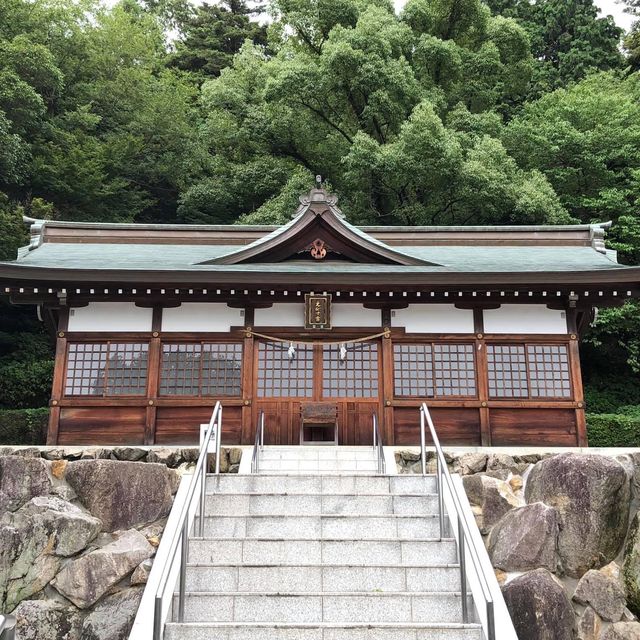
(607,7)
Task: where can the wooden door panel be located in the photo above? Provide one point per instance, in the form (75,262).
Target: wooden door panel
(101,425)
(455,426)
(181,425)
(533,427)
(281,421)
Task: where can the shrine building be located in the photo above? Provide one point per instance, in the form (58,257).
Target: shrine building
(155,323)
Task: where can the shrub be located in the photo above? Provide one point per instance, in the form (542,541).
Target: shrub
(23,426)
(613,430)
(608,395)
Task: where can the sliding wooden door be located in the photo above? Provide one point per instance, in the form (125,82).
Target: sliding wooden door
(286,376)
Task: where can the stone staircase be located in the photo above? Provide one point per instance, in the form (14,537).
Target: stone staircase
(317,547)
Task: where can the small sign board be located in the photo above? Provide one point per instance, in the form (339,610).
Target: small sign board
(317,311)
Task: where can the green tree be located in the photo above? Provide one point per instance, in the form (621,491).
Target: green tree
(632,38)
(568,40)
(585,140)
(402,114)
(211,34)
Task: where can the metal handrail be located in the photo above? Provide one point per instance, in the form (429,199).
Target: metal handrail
(378,446)
(465,540)
(7,627)
(181,535)
(258,445)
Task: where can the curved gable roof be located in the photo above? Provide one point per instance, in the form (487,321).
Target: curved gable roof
(319,219)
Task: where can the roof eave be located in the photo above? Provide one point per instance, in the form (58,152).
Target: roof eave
(16,275)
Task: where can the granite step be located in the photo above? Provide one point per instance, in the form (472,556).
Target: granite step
(318,527)
(325,577)
(319,466)
(315,484)
(304,504)
(323,607)
(308,452)
(323,631)
(407,553)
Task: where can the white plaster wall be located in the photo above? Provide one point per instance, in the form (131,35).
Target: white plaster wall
(433,318)
(281,314)
(201,316)
(524,318)
(355,315)
(110,316)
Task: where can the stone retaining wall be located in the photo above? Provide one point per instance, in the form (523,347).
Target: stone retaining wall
(563,535)
(79,528)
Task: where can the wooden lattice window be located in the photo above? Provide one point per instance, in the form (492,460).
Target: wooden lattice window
(284,372)
(413,366)
(201,369)
(454,370)
(549,374)
(507,371)
(106,369)
(353,374)
(528,371)
(434,370)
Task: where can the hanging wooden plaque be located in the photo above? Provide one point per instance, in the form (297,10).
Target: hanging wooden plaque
(317,311)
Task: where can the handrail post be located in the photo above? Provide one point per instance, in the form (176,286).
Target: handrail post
(218,428)
(373,424)
(465,539)
(183,569)
(491,622)
(261,430)
(7,627)
(157,617)
(203,497)
(463,572)
(180,535)
(439,491)
(423,452)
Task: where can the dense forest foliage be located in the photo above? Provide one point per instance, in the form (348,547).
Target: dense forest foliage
(449,112)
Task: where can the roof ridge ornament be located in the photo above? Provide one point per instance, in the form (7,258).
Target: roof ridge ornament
(318,194)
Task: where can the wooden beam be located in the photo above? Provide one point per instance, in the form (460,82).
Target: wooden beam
(153,376)
(249,411)
(576,378)
(57,387)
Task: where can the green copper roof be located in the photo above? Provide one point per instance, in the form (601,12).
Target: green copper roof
(460,259)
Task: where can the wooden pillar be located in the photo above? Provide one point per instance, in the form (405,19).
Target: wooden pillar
(57,388)
(247,434)
(387,391)
(482,377)
(576,379)
(153,376)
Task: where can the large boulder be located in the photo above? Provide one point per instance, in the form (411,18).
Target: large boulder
(129,454)
(85,580)
(46,620)
(166,456)
(470,463)
(525,539)
(33,539)
(603,593)
(631,566)
(539,607)
(22,478)
(592,495)
(504,462)
(27,562)
(494,498)
(113,618)
(71,527)
(122,494)
(623,631)
(589,625)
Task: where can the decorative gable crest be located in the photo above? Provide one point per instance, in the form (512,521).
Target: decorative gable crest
(319,232)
